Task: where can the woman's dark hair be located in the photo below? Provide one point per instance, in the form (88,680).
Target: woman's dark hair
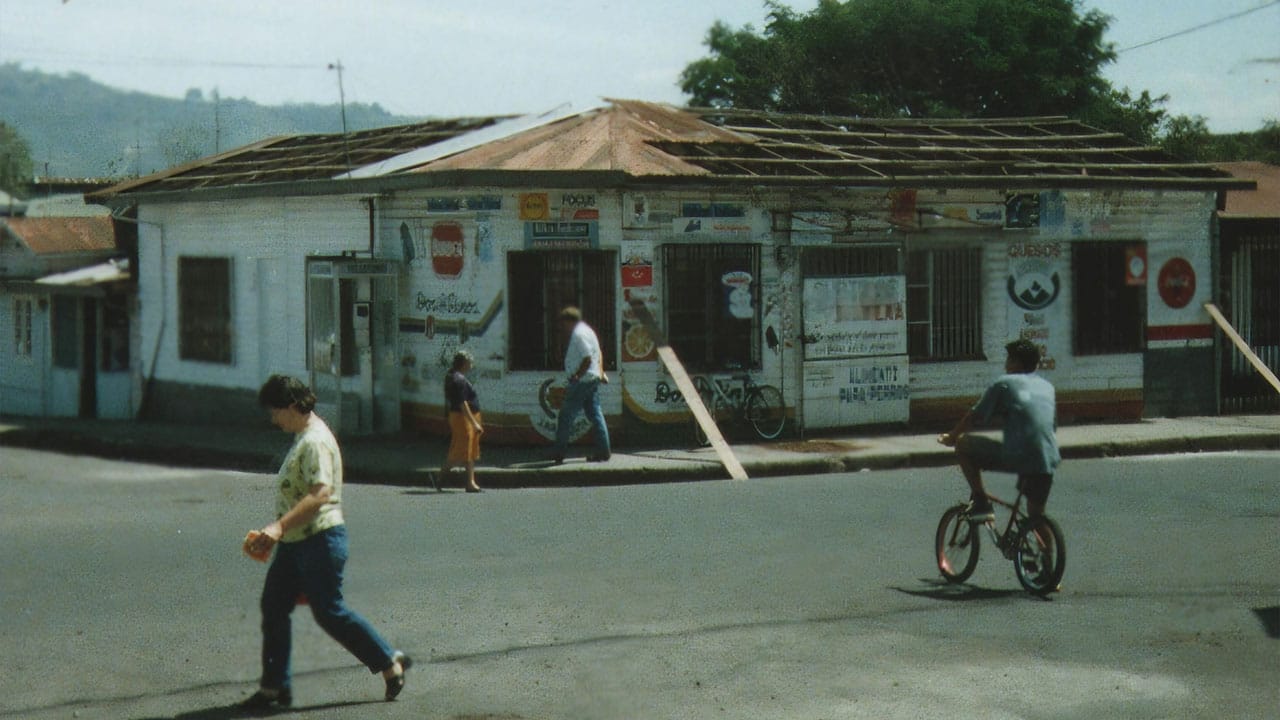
(1025,352)
(282,391)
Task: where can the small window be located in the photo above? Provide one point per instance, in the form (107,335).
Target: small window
(944,304)
(713,305)
(1110,314)
(23,311)
(543,282)
(204,309)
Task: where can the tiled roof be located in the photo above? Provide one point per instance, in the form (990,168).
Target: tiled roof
(63,235)
(294,158)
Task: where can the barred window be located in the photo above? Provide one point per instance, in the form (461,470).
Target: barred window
(944,304)
(713,305)
(541,283)
(204,309)
(1110,315)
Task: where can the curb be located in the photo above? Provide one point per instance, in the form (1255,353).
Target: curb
(360,470)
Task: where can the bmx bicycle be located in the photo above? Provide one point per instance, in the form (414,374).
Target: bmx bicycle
(739,398)
(1035,545)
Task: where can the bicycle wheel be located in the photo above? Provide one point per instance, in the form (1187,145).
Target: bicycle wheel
(956,544)
(766,411)
(1041,555)
(719,412)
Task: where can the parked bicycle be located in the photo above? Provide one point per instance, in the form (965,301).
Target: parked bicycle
(739,399)
(1035,545)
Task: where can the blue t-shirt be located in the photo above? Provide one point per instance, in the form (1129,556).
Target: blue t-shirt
(457,390)
(1028,404)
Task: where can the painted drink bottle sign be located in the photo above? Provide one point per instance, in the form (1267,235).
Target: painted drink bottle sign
(447,249)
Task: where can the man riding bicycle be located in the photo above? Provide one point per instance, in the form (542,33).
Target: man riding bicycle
(1027,403)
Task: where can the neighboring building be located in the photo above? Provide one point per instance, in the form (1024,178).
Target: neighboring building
(1249,285)
(65,305)
(871,269)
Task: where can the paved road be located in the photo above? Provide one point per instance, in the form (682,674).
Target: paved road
(125,596)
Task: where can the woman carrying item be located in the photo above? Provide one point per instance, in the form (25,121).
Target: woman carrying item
(310,540)
(464,420)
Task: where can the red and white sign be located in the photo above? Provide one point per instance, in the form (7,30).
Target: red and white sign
(1135,265)
(1177,283)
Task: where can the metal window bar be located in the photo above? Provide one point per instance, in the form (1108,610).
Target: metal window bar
(698,326)
(1254,304)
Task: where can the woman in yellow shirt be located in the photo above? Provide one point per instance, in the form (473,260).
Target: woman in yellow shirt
(310,540)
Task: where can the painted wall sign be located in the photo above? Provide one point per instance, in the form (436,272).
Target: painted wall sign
(453,204)
(964,216)
(1036,310)
(855,316)
(576,235)
(1177,283)
(534,206)
(448,254)
(738,294)
(859,391)
(637,271)
(709,225)
(550,399)
(637,344)
(1135,265)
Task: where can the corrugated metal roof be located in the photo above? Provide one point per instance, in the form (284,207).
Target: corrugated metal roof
(10,205)
(620,137)
(294,158)
(111,271)
(856,151)
(63,235)
(1263,202)
(664,143)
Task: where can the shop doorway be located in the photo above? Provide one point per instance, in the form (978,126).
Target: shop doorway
(351,335)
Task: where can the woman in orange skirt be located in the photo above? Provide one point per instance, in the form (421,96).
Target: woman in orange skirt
(464,420)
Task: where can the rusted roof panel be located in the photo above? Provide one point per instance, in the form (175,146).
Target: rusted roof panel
(621,137)
(63,235)
(1263,202)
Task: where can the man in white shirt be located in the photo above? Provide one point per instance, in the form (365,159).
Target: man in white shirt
(585,366)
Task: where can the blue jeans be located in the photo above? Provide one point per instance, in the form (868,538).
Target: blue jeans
(313,567)
(582,396)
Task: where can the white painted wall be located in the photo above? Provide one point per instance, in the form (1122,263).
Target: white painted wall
(23,379)
(268,241)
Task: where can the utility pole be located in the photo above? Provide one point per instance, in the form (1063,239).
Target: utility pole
(217,122)
(342,103)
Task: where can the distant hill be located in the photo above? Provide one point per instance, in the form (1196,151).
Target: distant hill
(76,127)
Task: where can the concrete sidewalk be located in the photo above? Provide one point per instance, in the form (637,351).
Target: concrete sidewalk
(406,459)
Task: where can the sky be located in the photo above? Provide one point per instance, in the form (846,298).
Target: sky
(482,57)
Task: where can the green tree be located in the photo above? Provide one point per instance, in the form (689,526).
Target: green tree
(910,58)
(15,161)
(1187,138)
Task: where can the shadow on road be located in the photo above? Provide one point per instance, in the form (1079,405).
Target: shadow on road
(961,592)
(227,712)
(1270,618)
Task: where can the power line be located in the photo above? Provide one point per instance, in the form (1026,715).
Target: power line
(1201,26)
(165,61)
